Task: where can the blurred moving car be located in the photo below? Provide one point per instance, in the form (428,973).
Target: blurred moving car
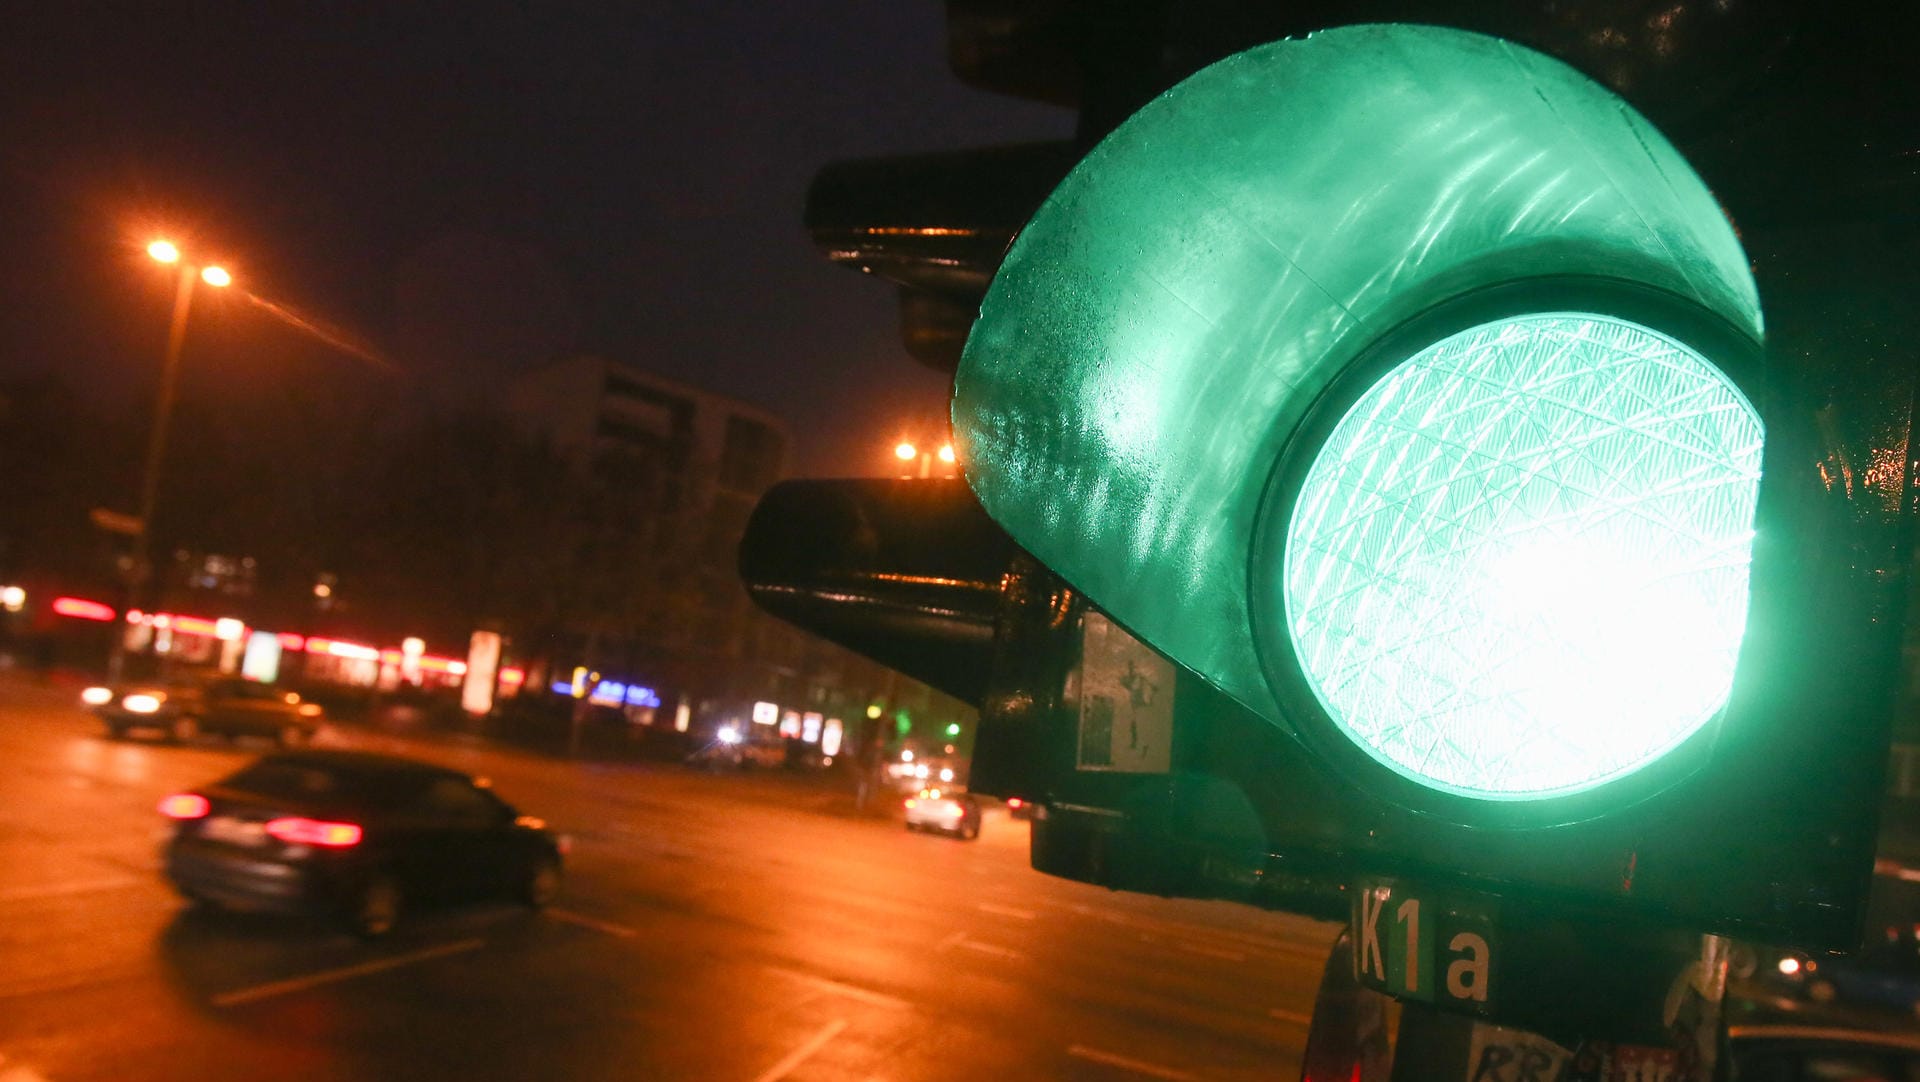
(733,748)
(1768,1052)
(1886,973)
(354,835)
(185,707)
(946,812)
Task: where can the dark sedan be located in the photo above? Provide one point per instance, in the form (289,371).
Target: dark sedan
(356,836)
(185,707)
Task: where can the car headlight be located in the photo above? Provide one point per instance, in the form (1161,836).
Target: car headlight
(142,704)
(97,696)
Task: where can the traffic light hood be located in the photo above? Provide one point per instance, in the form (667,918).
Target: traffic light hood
(1229,374)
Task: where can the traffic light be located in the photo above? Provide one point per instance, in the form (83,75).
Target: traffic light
(1408,388)
(1414,488)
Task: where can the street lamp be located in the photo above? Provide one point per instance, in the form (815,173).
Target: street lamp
(165,252)
(908,453)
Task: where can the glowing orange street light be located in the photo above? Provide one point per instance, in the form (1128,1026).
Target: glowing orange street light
(164,252)
(216,276)
(910,453)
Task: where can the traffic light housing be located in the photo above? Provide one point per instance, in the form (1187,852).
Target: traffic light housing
(1409,485)
(1407,387)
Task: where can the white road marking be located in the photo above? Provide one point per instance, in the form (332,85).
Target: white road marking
(1211,952)
(851,991)
(1151,1070)
(1252,941)
(1295,1017)
(568,916)
(74,886)
(801,1054)
(988,948)
(314,980)
(1006,911)
(959,939)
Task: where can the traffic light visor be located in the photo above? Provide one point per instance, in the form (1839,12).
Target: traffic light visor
(1423,267)
(1517,568)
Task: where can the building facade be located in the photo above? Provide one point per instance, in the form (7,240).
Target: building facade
(675,617)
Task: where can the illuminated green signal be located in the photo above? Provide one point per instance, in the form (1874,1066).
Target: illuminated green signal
(1518,566)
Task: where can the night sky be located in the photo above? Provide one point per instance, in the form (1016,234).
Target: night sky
(470,189)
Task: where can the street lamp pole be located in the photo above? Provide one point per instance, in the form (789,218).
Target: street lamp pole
(141,571)
(162,418)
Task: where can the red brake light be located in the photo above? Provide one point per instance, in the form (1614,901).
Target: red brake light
(314,832)
(184,806)
(1013,802)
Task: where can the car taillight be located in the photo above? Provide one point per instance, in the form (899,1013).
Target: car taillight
(1014,802)
(184,806)
(314,832)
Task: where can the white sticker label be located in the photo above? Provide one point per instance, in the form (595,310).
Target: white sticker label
(1126,702)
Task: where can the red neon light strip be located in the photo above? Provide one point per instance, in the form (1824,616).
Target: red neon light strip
(81,609)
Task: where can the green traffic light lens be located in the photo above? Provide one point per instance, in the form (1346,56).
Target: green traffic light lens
(1517,568)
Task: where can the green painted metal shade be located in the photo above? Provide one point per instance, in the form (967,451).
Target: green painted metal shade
(1167,323)
(1517,569)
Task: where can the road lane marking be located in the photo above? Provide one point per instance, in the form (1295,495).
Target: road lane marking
(314,980)
(1206,951)
(1006,911)
(1151,1070)
(959,939)
(988,948)
(851,991)
(801,1054)
(570,917)
(1294,1017)
(75,886)
(1249,940)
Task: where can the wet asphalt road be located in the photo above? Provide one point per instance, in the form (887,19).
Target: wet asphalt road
(713,927)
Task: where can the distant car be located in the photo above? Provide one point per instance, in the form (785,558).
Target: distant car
(1021,809)
(183,708)
(733,748)
(356,836)
(1773,1052)
(1886,973)
(944,811)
